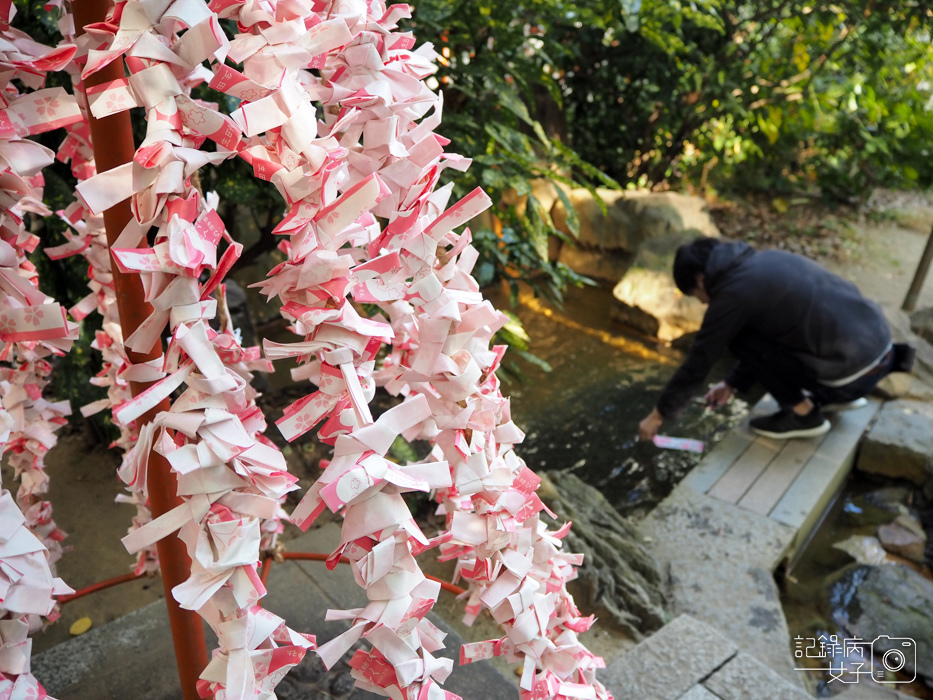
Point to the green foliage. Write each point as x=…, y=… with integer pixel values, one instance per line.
x=733, y=94
x=767, y=95
x=513, y=334
x=502, y=108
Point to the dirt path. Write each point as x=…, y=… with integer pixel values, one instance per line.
x=886, y=247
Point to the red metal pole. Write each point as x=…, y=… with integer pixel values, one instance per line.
x=113, y=146
x=100, y=586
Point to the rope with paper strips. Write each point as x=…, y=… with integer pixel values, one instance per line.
x=87, y=237
x=33, y=328
x=230, y=478
x=372, y=157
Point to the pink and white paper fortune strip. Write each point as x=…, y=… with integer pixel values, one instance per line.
x=87, y=237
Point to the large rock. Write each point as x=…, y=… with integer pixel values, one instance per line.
x=619, y=580
x=899, y=443
x=891, y=601
x=607, y=242
x=633, y=217
x=900, y=385
x=902, y=333
x=646, y=297
x=601, y=265
x=905, y=536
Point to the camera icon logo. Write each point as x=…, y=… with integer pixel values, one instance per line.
x=893, y=655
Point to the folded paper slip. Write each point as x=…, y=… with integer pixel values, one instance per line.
x=675, y=443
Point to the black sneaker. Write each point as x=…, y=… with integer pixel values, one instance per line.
x=786, y=424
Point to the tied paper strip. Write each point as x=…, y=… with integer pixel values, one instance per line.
x=675, y=443
x=87, y=237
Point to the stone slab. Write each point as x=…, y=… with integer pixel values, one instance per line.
x=745, y=678
x=899, y=443
x=670, y=662
x=720, y=559
x=104, y=663
x=695, y=528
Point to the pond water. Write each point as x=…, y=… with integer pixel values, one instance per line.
x=583, y=415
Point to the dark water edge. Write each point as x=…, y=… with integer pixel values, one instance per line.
x=817, y=591
x=583, y=415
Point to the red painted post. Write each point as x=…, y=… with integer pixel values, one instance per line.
x=114, y=146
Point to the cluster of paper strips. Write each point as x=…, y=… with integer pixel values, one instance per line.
x=335, y=112
x=32, y=329
x=230, y=478
x=87, y=237
x=372, y=156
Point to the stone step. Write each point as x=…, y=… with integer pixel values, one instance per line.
x=690, y=660
x=670, y=662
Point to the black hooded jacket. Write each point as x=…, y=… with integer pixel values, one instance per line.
x=820, y=318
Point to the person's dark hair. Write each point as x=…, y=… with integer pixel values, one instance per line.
x=690, y=261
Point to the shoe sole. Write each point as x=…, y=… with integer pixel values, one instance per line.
x=841, y=407
x=790, y=434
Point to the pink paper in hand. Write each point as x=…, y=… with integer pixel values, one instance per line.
x=675, y=443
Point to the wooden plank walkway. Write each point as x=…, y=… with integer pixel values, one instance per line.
x=790, y=481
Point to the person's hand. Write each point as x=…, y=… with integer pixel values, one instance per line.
x=718, y=395
x=648, y=428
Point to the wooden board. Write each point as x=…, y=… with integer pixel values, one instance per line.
x=702, y=477
x=715, y=464
x=733, y=484
x=768, y=489
x=817, y=482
